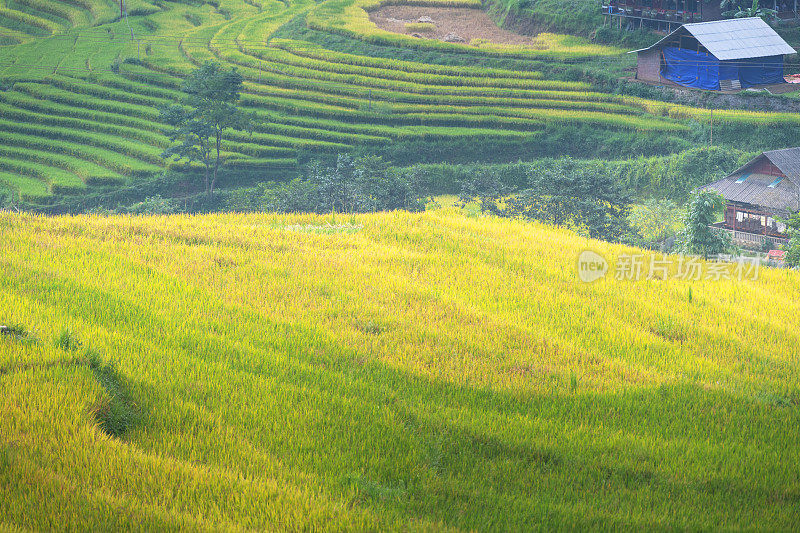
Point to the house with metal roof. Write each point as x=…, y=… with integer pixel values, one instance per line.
x=759, y=195
x=719, y=55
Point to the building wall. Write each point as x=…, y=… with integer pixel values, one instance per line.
x=649, y=65
x=741, y=217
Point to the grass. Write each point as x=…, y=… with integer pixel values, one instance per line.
x=79, y=87
x=420, y=26
x=387, y=371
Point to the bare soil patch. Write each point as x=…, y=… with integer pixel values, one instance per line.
x=466, y=23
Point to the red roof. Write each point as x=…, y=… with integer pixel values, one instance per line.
x=777, y=254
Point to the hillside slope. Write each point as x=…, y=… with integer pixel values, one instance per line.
x=396, y=371
x=79, y=94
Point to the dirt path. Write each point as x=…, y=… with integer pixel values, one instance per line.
x=465, y=23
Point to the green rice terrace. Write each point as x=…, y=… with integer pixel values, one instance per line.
x=81, y=89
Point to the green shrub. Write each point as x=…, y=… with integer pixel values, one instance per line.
x=423, y=27
x=154, y=205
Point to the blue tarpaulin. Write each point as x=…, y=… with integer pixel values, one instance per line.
x=761, y=70
x=690, y=68
x=703, y=70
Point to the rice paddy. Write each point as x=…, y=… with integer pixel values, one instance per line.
x=389, y=371
x=81, y=89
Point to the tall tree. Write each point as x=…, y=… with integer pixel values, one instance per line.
x=736, y=9
x=793, y=254
x=698, y=237
x=567, y=193
x=209, y=109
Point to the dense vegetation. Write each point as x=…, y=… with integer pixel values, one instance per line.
x=80, y=99
x=388, y=371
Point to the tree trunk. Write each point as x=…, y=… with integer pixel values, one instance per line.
x=216, y=162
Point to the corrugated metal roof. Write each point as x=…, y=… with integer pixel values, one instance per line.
x=756, y=189
x=734, y=38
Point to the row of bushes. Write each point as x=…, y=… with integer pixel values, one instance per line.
x=363, y=184
x=672, y=176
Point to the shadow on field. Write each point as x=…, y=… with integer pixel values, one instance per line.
x=678, y=455
x=117, y=413
x=409, y=447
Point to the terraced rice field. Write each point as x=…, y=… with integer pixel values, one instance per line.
x=391, y=371
x=80, y=98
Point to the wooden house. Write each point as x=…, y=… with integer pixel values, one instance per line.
x=759, y=195
x=664, y=15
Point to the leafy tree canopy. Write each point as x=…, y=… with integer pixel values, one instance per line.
x=698, y=237
x=209, y=109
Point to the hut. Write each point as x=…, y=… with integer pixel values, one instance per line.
x=760, y=195
x=720, y=55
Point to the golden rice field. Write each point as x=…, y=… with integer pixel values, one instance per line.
x=396, y=371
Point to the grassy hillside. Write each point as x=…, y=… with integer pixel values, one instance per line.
x=389, y=371
x=79, y=96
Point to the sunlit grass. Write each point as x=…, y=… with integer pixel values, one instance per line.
x=387, y=371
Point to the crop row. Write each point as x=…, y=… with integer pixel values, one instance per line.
x=294, y=137
x=734, y=116
x=628, y=103
x=315, y=51
x=255, y=70
x=387, y=77
x=123, y=148
x=270, y=70
x=114, y=165
x=42, y=24
x=91, y=125
x=27, y=188
x=102, y=11
x=270, y=163
x=314, y=91
x=73, y=15
x=32, y=107
x=307, y=131
x=51, y=170
x=296, y=106
x=415, y=79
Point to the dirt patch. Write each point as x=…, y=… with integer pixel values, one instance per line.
x=448, y=23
